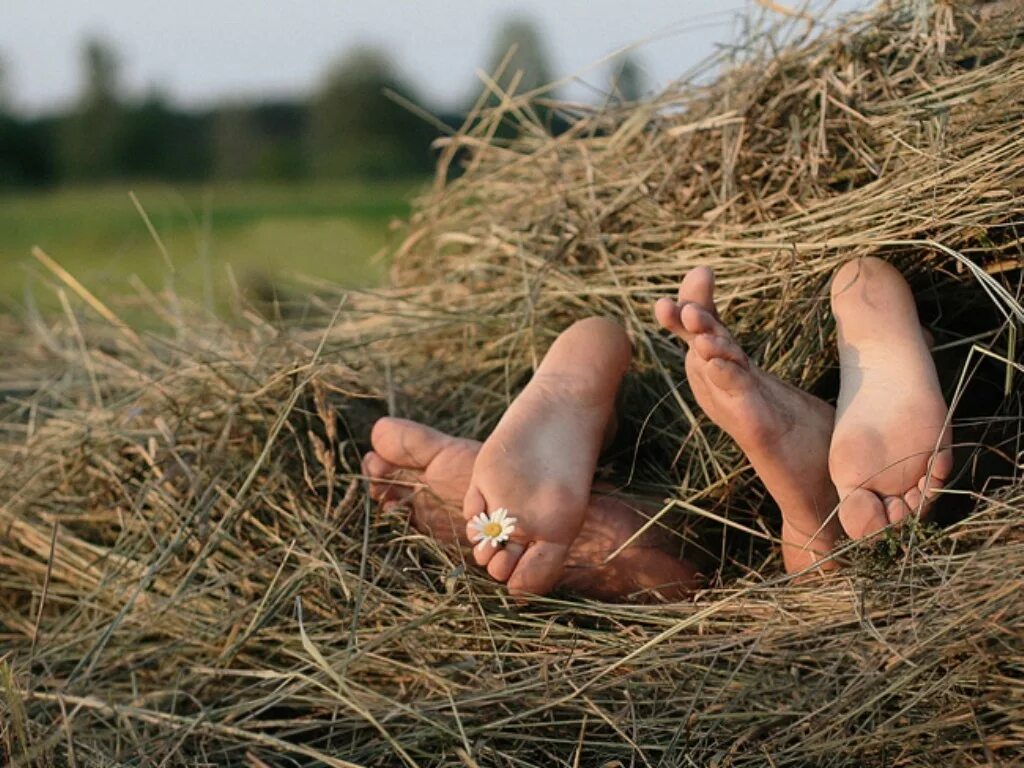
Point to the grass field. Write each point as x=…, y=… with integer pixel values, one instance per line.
x=217, y=237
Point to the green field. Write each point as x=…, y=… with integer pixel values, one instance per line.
x=218, y=239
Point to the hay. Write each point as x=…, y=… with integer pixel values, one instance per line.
x=190, y=569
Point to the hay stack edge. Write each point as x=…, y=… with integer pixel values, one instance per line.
x=191, y=571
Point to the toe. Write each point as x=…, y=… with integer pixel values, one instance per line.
x=861, y=513
x=727, y=375
x=504, y=561
x=374, y=465
x=896, y=509
x=939, y=470
x=539, y=569
x=920, y=498
x=380, y=472
x=710, y=346
x=406, y=443
x=699, y=286
x=698, y=320
x=913, y=499
x=695, y=310
x=473, y=504
x=929, y=485
x=666, y=313
x=483, y=553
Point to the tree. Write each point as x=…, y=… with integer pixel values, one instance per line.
x=236, y=144
x=10, y=136
x=264, y=140
x=5, y=93
x=357, y=130
x=519, y=44
x=89, y=136
x=154, y=140
x=26, y=151
x=101, y=74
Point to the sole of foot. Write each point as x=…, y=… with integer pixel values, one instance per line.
x=783, y=431
x=428, y=473
x=891, y=443
x=539, y=462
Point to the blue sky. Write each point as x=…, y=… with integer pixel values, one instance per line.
x=199, y=52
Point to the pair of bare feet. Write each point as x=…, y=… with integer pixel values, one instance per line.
x=875, y=459
x=872, y=461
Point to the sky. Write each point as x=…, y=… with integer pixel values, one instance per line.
x=198, y=52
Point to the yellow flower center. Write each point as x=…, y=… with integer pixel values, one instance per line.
x=492, y=530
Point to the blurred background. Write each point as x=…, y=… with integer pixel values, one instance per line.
x=265, y=139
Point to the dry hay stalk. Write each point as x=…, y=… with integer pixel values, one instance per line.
x=190, y=569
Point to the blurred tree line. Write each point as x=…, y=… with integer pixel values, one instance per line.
x=352, y=126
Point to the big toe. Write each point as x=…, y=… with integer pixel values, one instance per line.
x=698, y=286
x=407, y=444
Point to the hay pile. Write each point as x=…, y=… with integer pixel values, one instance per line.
x=190, y=569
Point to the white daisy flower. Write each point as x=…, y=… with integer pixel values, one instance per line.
x=495, y=528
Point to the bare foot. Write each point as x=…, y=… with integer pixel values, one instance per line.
x=783, y=431
x=430, y=472
x=890, y=448
x=540, y=460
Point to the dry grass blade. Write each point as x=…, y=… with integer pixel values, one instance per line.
x=167, y=501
